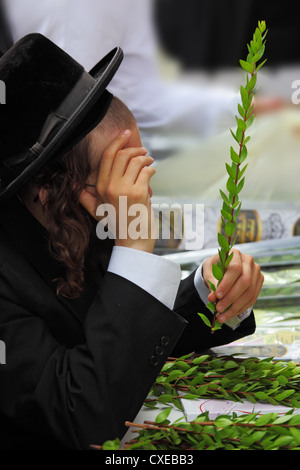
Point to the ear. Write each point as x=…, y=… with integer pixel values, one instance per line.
x=43, y=196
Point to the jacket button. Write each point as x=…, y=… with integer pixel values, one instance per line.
x=153, y=361
x=159, y=351
x=164, y=341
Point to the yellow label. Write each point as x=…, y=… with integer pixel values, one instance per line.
x=248, y=227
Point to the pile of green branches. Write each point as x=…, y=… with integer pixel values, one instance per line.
x=275, y=382
x=266, y=432
x=252, y=379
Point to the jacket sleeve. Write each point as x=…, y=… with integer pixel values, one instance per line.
x=197, y=336
x=83, y=396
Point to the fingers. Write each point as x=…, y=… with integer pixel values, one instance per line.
x=110, y=153
x=120, y=161
x=144, y=177
x=252, y=301
x=125, y=157
x=233, y=272
x=124, y=171
x=246, y=300
x=241, y=283
x=239, y=287
x=136, y=166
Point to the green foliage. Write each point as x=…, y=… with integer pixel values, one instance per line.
x=236, y=379
x=111, y=445
x=235, y=183
x=249, y=432
x=233, y=379
x=162, y=416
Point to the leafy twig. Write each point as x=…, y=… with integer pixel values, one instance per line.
x=251, y=432
x=226, y=377
x=236, y=179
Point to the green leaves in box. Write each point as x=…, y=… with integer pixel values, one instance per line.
x=163, y=415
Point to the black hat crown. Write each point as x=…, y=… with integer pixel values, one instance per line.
x=51, y=104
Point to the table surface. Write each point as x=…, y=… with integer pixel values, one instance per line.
x=149, y=414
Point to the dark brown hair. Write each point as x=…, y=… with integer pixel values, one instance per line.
x=70, y=227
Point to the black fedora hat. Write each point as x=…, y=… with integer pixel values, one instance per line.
x=51, y=104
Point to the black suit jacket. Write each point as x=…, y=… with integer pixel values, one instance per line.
x=77, y=369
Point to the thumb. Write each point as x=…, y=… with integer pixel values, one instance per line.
x=212, y=297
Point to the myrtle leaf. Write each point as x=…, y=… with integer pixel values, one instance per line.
x=223, y=242
x=211, y=306
x=217, y=326
x=246, y=66
x=162, y=416
x=212, y=286
x=205, y=319
x=217, y=272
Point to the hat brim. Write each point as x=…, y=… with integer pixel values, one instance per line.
x=82, y=121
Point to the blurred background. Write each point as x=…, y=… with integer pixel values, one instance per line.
x=223, y=28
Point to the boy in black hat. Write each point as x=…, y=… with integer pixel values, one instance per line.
x=87, y=325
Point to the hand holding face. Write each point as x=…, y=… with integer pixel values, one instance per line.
x=239, y=287
x=124, y=171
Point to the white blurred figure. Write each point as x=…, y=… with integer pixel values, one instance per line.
x=88, y=29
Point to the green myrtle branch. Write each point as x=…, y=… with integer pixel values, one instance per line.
x=236, y=179
x=225, y=377
x=251, y=432
x=231, y=379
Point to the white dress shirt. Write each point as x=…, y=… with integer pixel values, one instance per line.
x=158, y=276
